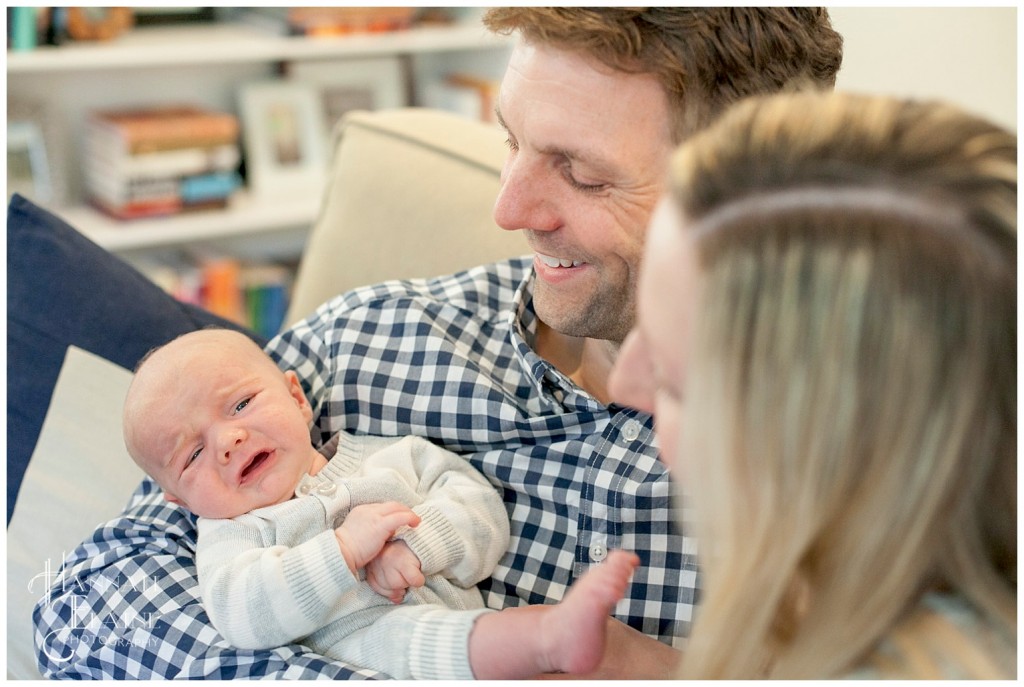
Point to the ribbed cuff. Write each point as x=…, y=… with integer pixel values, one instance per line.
x=439, y=648
x=434, y=541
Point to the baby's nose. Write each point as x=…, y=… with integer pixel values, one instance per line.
x=232, y=441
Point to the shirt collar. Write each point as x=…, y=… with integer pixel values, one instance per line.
x=551, y=385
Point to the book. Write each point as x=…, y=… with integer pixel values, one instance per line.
x=104, y=160
x=334, y=21
x=221, y=294
x=138, y=209
x=266, y=297
x=162, y=128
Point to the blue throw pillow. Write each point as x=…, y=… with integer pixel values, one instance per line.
x=63, y=289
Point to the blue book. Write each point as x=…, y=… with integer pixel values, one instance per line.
x=206, y=187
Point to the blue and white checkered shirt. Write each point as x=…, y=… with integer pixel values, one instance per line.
x=448, y=359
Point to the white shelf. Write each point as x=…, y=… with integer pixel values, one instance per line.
x=247, y=215
x=241, y=43
x=208, y=59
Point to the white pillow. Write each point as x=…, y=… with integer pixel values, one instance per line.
x=79, y=476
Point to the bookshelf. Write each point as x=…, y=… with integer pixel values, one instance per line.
x=229, y=42
x=205, y=63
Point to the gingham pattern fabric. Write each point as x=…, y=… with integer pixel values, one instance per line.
x=448, y=359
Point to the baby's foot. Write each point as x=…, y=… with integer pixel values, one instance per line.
x=576, y=627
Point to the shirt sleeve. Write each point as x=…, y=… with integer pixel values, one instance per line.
x=125, y=605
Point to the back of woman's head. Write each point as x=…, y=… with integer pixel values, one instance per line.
x=856, y=355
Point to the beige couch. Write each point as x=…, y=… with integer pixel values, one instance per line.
x=409, y=195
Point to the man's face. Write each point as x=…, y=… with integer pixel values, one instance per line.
x=588, y=151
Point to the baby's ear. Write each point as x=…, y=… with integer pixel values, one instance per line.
x=295, y=389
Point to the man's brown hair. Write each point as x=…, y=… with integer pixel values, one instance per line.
x=704, y=57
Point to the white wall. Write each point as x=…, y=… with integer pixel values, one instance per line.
x=967, y=55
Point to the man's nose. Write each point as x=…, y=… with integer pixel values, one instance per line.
x=526, y=198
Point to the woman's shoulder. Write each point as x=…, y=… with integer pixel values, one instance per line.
x=945, y=638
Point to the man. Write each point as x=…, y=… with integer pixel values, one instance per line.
x=507, y=363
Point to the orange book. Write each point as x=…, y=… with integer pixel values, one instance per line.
x=222, y=291
x=164, y=128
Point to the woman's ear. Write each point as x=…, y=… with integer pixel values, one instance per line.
x=295, y=389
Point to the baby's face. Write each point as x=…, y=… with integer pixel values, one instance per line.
x=218, y=425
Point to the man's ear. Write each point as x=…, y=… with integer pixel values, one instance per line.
x=295, y=389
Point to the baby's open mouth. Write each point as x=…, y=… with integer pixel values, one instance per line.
x=258, y=460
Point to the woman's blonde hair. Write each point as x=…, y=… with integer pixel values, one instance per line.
x=854, y=381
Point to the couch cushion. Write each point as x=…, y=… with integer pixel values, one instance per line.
x=80, y=476
x=410, y=194
x=63, y=289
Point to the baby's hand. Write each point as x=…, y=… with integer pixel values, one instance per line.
x=394, y=571
x=367, y=529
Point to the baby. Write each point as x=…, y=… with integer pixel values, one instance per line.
x=368, y=554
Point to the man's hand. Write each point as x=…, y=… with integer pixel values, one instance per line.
x=367, y=529
x=394, y=571
x=629, y=655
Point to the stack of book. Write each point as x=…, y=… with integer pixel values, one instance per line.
x=160, y=161
x=253, y=295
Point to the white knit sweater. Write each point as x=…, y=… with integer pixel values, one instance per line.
x=276, y=575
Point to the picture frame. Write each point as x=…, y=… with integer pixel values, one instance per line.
x=375, y=83
x=283, y=137
x=28, y=170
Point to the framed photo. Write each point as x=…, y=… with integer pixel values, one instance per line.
x=283, y=136
x=359, y=84
x=28, y=171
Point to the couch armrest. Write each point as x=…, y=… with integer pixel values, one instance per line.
x=409, y=194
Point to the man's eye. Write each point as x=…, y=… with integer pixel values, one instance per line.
x=585, y=188
x=577, y=184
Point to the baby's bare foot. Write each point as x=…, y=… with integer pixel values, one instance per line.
x=575, y=629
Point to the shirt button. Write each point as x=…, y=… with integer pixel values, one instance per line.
x=631, y=430
x=598, y=552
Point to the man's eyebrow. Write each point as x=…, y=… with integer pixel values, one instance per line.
x=598, y=164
